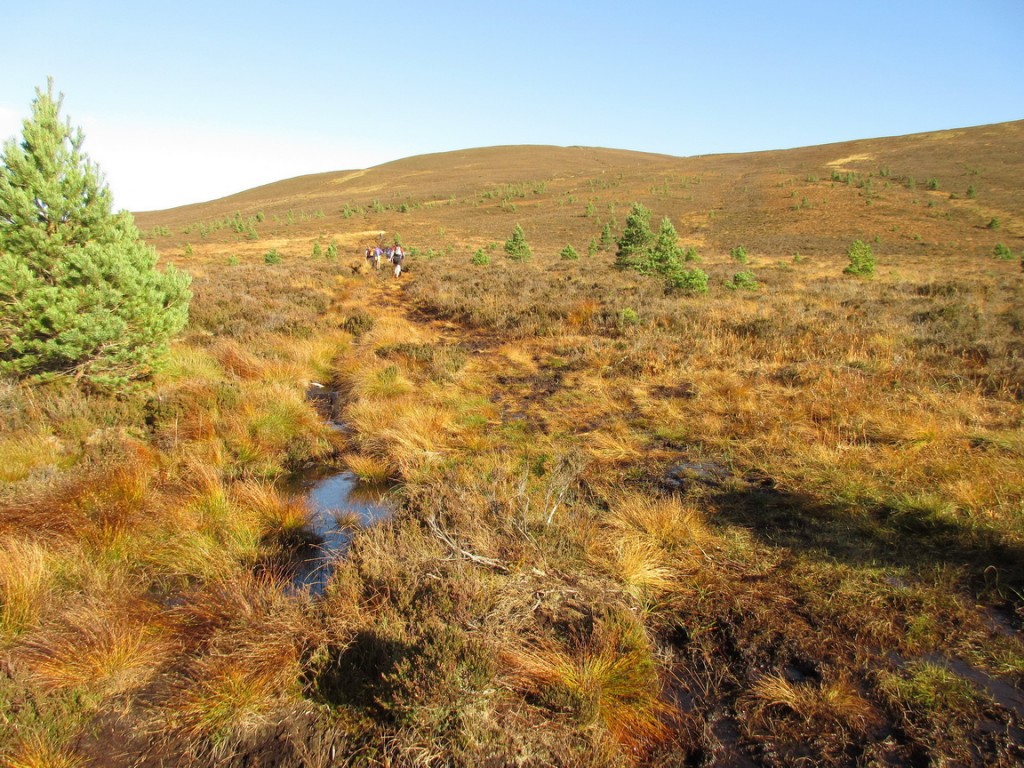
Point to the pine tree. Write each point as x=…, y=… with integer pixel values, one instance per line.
x=636, y=237
x=79, y=291
x=665, y=255
x=862, y=259
x=516, y=246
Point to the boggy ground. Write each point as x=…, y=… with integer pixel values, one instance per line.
x=774, y=527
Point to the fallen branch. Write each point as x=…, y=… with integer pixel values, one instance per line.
x=471, y=556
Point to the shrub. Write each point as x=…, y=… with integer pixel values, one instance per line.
x=1002, y=253
x=79, y=290
x=993, y=223
x=516, y=246
x=933, y=183
x=739, y=253
x=569, y=253
x=332, y=250
x=628, y=316
x=743, y=281
x=480, y=258
x=317, y=251
x=688, y=280
x=862, y=259
x=272, y=257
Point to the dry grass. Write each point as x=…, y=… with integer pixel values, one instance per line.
x=839, y=701
x=107, y=649
x=27, y=582
x=38, y=751
x=607, y=680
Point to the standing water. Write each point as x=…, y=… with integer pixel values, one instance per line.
x=338, y=504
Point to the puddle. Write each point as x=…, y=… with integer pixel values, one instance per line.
x=338, y=504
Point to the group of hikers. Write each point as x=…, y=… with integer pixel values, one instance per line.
x=375, y=254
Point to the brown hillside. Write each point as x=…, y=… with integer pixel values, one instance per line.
x=934, y=192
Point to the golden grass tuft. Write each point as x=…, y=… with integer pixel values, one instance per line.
x=252, y=638
x=609, y=680
x=389, y=330
x=106, y=649
x=225, y=700
x=408, y=435
x=369, y=469
x=283, y=517
x=667, y=521
x=25, y=451
x=236, y=360
x=642, y=566
x=838, y=701
x=27, y=570
x=37, y=750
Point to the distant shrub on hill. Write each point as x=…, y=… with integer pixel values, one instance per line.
x=1002, y=252
x=744, y=281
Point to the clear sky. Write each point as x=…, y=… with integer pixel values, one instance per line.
x=188, y=101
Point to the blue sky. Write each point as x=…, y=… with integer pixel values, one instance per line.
x=185, y=102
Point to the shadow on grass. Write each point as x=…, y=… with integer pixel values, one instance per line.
x=358, y=675
x=909, y=536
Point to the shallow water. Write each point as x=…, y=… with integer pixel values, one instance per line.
x=338, y=503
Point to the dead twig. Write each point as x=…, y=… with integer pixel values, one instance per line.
x=441, y=534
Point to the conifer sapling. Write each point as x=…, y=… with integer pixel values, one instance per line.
x=80, y=294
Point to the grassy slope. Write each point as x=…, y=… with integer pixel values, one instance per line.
x=765, y=526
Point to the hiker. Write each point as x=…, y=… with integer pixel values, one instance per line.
x=377, y=253
x=396, y=258
x=369, y=255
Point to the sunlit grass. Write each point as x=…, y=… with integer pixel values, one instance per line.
x=26, y=451
x=27, y=576
x=838, y=700
x=106, y=649
x=38, y=750
x=609, y=680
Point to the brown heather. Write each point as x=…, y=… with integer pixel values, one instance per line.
x=778, y=527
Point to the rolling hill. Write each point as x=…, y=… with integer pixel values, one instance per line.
x=933, y=191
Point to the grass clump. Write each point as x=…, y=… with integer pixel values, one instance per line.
x=605, y=679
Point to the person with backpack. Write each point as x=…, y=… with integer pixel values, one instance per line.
x=397, y=255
